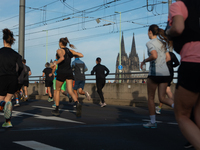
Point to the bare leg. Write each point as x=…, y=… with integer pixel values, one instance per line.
x=49, y=91
x=169, y=93
x=162, y=94
x=57, y=94
x=75, y=92
x=151, y=89
x=26, y=90
x=70, y=90
x=184, y=102
x=81, y=91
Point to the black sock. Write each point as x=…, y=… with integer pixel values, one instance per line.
x=57, y=107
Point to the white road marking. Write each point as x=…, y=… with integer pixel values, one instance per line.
x=54, y=108
x=149, y=120
x=173, y=123
x=17, y=113
x=36, y=145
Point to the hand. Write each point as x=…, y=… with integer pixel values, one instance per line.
x=50, y=74
x=142, y=63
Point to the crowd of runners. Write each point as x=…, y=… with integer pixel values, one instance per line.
x=182, y=32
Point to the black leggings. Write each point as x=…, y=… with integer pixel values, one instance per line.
x=100, y=84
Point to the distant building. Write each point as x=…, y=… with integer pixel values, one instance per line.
x=130, y=64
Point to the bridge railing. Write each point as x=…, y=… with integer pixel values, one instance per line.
x=136, y=75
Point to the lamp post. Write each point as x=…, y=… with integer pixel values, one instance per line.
x=46, y=44
x=119, y=44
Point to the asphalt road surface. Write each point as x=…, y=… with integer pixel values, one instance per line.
x=108, y=128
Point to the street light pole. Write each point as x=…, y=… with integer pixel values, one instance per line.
x=46, y=45
x=119, y=45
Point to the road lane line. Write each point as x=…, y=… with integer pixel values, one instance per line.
x=54, y=108
x=46, y=117
x=36, y=145
x=149, y=120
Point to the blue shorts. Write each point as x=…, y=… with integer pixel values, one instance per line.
x=79, y=84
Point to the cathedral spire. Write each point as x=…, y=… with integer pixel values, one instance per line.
x=133, y=48
x=122, y=46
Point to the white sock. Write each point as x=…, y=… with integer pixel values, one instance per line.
x=173, y=105
x=153, y=118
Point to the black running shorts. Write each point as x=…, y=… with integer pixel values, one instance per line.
x=62, y=77
x=8, y=85
x=26, y=83
x=160, y=79
x=48, y=83
x=189, y=76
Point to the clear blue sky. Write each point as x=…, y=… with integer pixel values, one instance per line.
x=91, y=39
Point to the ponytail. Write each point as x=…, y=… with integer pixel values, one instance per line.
x=163, y=38
x=8, y=36
x=161, y=34
x=65, y=41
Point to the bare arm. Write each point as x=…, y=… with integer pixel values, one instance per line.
x=61, y=54
x=168, y=58
x=29, y=73
x=153, y=56
x=76, y=53
x=177, y=26
x=43, y=74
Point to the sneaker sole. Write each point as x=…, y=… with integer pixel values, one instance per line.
x=56, y=114
x=8, y=110
x=78, y=112
x=7, y=126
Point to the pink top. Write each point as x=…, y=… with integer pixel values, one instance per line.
x=190, y=51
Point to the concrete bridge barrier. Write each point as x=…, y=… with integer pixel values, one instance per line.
x=126, y=94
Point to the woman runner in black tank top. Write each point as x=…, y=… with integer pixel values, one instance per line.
x=64, y=73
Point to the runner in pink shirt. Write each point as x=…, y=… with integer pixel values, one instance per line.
x=185, y=32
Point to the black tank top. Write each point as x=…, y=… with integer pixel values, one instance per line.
x=65, y=65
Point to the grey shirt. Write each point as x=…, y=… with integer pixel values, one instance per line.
x=158, y=67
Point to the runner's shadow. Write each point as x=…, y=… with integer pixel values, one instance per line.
x=95, y=96
x=137, y=100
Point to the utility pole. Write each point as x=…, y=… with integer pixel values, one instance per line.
x=21, y=28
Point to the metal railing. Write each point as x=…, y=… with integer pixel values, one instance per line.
x=143, y=75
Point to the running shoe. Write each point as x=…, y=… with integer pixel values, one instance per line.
x=55, y=112
x=158, y=110
x=150, y=125
x=78, y=110
x=17, y=104
x=87, y=95
x=7, y=125
x=70, y=98
x=103, y=104
x=54, y=105
x=188, y=145
x=50, y=99
x=8, y=110
x=75, y=104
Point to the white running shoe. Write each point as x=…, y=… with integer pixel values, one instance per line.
x=103, y=104
x=87, y=95
x=150, y=125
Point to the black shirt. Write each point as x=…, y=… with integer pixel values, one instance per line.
x=47, y=71
x=65, y=66
x=10, y=62
x=27, y=74
x=99, y=70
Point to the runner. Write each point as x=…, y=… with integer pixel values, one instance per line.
x=99, y=71
x=9, y=61
x=170, y=64
x=79, y=68
x=63, y=87
x=159, y=75
x=184, y=31
x=20, y=84
x=64, y=73
x=26, y=79
x=48, y=80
